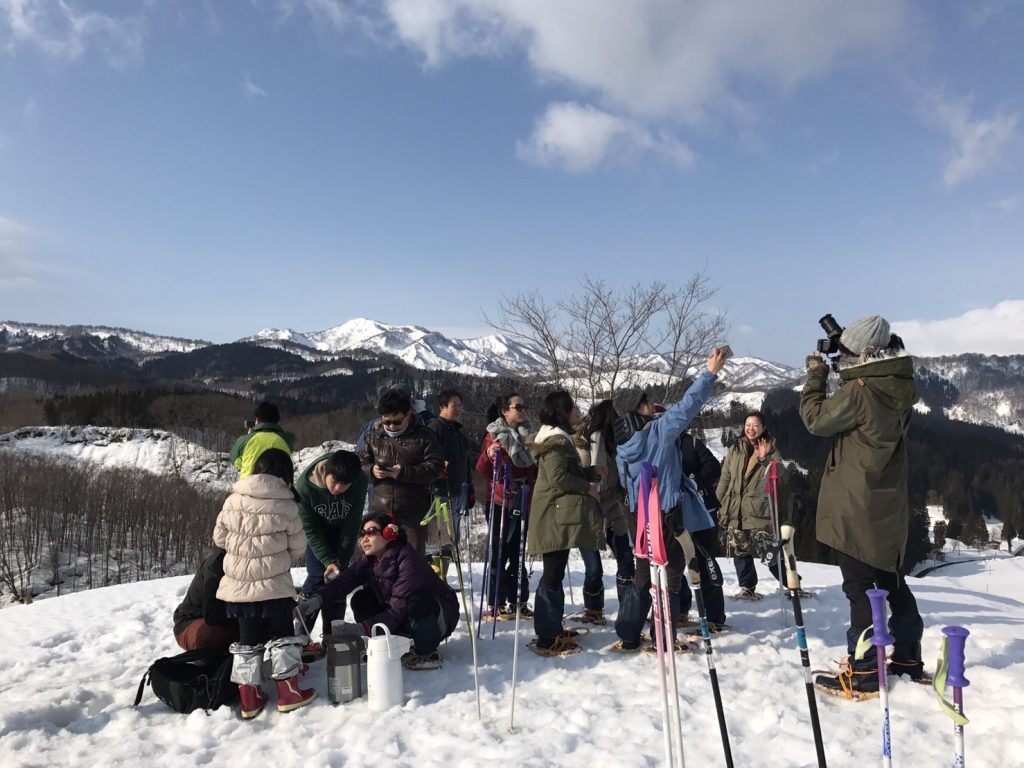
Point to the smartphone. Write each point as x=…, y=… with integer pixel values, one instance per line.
x=382, y=465
x=727, y=350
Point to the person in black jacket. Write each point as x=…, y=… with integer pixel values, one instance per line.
x=454, y=484
x=700, y=464
x=201, y=621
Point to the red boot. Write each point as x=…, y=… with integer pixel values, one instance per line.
x=290, y=696
x=252, y=700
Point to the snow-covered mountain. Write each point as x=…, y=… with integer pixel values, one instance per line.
x=426, y=349
x=982, y=389
x=124, y=341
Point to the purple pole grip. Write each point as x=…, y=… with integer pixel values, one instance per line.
x=957, y=639
x=880, y=636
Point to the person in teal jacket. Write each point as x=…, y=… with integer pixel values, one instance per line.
x=265, y=433
x=332, y=494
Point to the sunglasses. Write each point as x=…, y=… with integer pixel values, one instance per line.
x=369, y=533
x=518, y=407
x=392, y=422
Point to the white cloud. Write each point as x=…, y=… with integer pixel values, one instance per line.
x=997, y=330
x=977, y=143
x=250, y=89
x=661, y=59
x=579, y=137
x=660, y=62
x=1008, y=204
x=61, y=31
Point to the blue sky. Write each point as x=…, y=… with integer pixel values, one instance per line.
x=210, y=169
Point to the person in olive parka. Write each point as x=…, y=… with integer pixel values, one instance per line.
x=564, y=515
x=864, y=502
x=332, y=491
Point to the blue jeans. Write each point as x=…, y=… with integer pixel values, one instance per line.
x=593, y=580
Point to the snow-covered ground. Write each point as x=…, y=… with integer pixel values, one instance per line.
x=72, y=664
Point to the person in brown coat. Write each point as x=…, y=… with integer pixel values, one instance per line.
x=403, y=459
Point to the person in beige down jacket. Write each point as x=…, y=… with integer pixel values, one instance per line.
x=260, y=529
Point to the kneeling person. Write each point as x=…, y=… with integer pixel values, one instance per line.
x=201, y=621
x=400, y=590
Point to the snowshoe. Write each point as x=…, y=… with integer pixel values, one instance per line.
x=508, y=612
x=694, y=633
x=848, y=683
x=685, y=622
x=617, y=646
x=803, y=594
x=417, y=663
x=681, y=646
x=589, y=616
x=560, y=646
x=747, y=593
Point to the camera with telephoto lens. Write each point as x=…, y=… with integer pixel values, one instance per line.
x=833, y=330
x=830, y=347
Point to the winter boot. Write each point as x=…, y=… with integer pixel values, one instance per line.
x=290, y=696
x=911, y=669
x=247, y=671
x=252, y=700
x=286, y=658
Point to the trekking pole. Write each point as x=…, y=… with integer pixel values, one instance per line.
x=693, y=571
x=773, y=506
x=651, y=546
x=464, y=535
x=880, y=638
x=524, y=518
x=572, y=598
x=500, y=562
x=793, y=582
x=487, y=577
x=467, y=607
x=951, y=670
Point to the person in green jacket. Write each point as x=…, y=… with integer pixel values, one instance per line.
x=332, y=494
x=864, y=502
x=265, y=433
x=564, y=515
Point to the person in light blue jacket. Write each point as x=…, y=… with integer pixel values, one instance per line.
x=641, y=440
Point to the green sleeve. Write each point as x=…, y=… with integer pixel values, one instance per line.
x=316, y=530
x=347, y=536
x=827, y=416
x=236, y=450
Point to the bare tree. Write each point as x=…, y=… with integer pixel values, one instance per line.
x=690, y=331
x=602, y=338
x=536, y=320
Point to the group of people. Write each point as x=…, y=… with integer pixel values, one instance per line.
x=579, y=480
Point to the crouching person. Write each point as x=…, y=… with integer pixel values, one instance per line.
x=259, y=527
x=201, y=621
x=400, y=590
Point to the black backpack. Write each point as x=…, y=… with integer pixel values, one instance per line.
x=192, y=680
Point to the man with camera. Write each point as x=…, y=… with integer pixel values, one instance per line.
x=864, y=506
x=403, y=459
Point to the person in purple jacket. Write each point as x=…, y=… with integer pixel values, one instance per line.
x=400, y=590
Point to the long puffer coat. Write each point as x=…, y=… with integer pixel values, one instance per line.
x=259, y=527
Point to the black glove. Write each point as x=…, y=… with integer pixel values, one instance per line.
x=307, y=609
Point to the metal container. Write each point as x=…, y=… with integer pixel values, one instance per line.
x=344, y=657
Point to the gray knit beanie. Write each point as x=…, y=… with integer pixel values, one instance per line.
x=871, y=331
